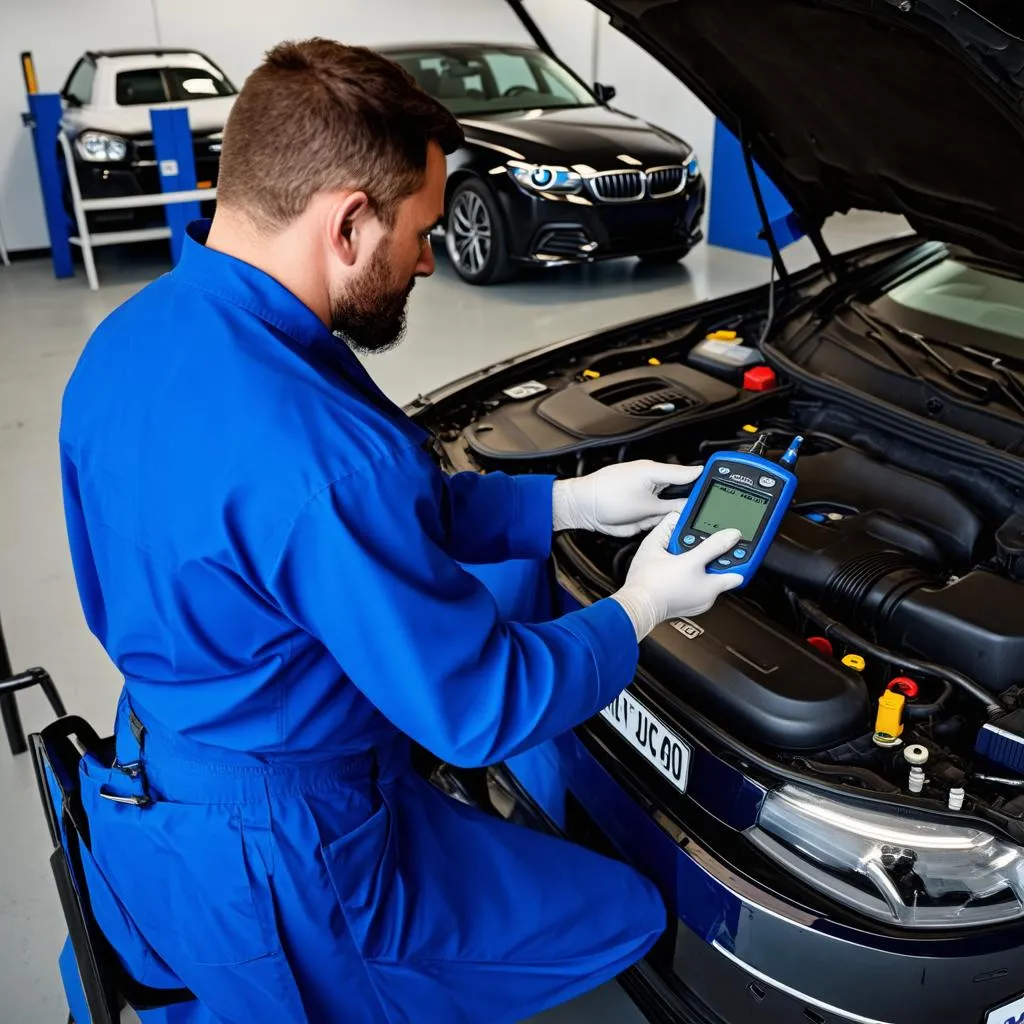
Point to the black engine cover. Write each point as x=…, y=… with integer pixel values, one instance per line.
x=774, y=690
x=616, y=407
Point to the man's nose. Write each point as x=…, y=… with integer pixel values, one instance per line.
x=426, y=265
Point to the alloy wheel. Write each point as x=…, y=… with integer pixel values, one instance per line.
x=469, y=233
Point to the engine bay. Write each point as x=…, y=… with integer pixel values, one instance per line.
x=884, y=631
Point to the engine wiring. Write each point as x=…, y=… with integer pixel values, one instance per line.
x=831, y=627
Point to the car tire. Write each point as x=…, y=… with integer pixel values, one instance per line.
x=475, y=235
x=666, y=258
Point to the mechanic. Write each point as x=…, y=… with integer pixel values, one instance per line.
x=268, y=553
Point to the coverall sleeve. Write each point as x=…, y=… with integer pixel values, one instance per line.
x=495, y=517
x=366, y=569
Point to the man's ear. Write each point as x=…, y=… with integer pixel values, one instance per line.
x=347, y=223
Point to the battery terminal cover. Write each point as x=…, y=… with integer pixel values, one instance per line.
x=759, y=378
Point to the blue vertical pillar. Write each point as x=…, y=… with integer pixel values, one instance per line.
x=734, y=221
x=45, y=112
x=172, y=137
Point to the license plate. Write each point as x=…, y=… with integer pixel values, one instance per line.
x=651, y=737
x=1008, y=1013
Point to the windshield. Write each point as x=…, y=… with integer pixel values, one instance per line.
x=471, y=81
x=163, y=85
x=965, y=295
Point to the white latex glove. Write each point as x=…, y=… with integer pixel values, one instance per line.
x=660, y=586
x=620, y=500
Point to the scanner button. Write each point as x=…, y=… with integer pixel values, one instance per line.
x=740, y=553
x=689, y=539
x=767, y=481
x=725, y=561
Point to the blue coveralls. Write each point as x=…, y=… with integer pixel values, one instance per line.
x=268, y=553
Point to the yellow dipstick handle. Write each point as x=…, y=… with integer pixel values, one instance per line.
x=889, y=719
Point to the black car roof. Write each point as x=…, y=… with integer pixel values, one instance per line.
x=392, y=48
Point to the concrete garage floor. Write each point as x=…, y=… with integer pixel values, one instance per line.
x=43, y=325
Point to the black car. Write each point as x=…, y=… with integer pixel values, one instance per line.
x=825, y=773
x=550, y=174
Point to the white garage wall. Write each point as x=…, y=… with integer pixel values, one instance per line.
x=235, y=33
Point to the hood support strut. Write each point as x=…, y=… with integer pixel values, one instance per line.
x=519, y=8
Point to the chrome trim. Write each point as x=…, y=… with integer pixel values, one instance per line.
x=795, y=993
x=683, y=179
x=645, y=183
x=619, y=173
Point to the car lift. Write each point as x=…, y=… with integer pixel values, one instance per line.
x=172, y=138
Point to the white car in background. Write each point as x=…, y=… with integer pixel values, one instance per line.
x=107, y=100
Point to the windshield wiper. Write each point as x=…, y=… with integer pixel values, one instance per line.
x=978, y=385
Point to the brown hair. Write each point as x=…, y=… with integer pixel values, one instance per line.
x=318, y=115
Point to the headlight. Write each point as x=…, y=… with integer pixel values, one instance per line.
x=902, y=870
x=545, y=178
x=100, y=147
x=693, y=168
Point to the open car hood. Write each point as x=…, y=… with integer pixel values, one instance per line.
x=912, y=107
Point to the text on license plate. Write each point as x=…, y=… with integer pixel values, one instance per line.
x=651, y=737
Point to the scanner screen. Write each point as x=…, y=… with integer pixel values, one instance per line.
x=727, y=507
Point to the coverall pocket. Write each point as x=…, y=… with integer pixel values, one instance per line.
x=185, y=875
x=361, y=866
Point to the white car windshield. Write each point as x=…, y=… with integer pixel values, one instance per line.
x=169, y=85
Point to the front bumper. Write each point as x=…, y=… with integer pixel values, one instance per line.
x=563, y=230
x=117, y=181
x=739, y=952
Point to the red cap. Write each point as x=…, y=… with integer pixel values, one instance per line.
x=821, y=643
x=759, y=378
x=905, y=685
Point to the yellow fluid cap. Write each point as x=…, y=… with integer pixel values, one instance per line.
x=653, y=362
x=591, y=374
x=722, y=336
x=889, y=719
x=854, y=661
x=749, y=428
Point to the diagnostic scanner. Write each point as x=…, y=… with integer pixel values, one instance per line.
x=743, y=491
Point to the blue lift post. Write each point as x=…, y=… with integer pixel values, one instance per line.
x=44, y=117
x=733, y=220
x=172, y=137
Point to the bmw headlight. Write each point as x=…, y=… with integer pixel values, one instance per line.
x=546, y=178
x=693, y=168
x=100, y=147
x=905, y=871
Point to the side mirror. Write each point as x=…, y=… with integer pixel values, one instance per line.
x=604, y=93
x=71, y=101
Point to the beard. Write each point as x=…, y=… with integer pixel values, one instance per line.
x=371, y=316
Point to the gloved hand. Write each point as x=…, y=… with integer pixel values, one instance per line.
x=660, y=586
x=620, y=500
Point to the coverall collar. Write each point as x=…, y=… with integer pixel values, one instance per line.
x=244, y=285
x=251, y=289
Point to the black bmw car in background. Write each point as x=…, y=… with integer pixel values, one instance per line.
x=550, y=174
